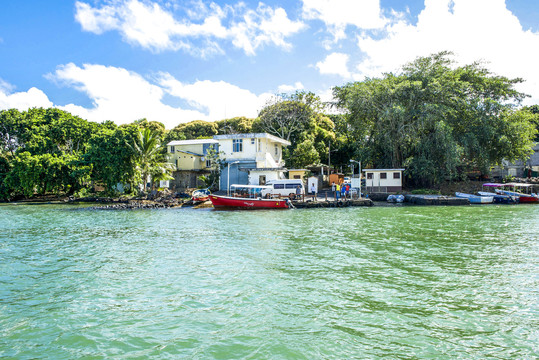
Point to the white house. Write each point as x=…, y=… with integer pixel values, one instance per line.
x=383, y=180
x=254, y=158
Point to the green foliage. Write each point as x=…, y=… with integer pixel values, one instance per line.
x=435, y=119
x=150, y=161
x=296, y=118
x=237, y=125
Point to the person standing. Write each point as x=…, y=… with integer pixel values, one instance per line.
x=337, y=191
x=298, y=192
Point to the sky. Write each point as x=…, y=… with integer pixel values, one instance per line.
x=175, y=61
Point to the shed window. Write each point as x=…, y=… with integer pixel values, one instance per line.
x=396, y=175
x=383, y=175
x=369, y=175
x=237, y=145
x=172, y=149
x=297, y=176
x=208, y=163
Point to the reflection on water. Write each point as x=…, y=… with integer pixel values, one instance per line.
x=397, y=282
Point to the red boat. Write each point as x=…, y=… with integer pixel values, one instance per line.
x=523, y=197
x=200, y=195
x=248, y=197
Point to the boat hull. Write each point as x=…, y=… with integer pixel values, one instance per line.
x=500, y=198
x=523, y=198
x=476, y=199
x=246, y=203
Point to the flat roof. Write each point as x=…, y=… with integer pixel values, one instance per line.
x=252, y=135
x=193, y=142
x=374, y=170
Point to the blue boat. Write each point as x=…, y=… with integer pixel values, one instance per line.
x=476, y=199
x=500, y=198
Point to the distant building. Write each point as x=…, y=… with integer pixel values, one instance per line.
x=520, y=168
x=383, y=180
x=191, y=160
x=254, y=158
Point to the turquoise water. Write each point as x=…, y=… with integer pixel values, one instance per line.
x=368, y=283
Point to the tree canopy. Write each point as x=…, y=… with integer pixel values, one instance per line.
x=436, y=119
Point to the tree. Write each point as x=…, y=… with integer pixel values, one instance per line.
x=149, y=159
x=436, y=119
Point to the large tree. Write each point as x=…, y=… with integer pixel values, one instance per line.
x=436, y=119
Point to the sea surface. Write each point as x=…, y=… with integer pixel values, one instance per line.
x=387, y=282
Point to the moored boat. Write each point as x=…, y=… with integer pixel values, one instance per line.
x=249, y=197
x=476, y=199
x=522, y=197
x=200, y=195
x=500, y=198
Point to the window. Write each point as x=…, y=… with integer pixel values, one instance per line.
x=278, y=186
x=208, y=163
x=291, y=186
x=237, y=145
x=396, y=175
x=369, y=175
x=297, y=176
x=276, y=149
x=252, y=141
x=383, y=175
x=259, y=145
x=172, y=149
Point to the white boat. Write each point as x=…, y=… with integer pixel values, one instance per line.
x=476, y=199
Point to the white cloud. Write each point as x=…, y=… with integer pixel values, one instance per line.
x=217, y=99
x=335, y=64
x=151, y=27
x=22, y=100
x=124, y=96
x=285, y=89
x=338, y=14
x=474, y=30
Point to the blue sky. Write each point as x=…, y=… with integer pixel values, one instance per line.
x=175, y=61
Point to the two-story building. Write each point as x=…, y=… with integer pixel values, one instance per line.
x=254, y=158
x=191, y=160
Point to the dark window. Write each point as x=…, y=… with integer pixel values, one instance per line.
x=297, y=176
x=278, y=186
x=252, y=141
x=369, y=175
x=396, y=175
x=291, y=186
x=383, y=175
x=208, y=163
x=237, y=145
x=172, y=149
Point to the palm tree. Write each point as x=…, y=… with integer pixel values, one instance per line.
x=150, y=160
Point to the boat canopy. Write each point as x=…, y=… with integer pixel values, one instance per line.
x=249, y=191
x=494, y=185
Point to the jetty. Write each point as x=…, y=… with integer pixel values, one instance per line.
x=435, y=200
x=310, y=204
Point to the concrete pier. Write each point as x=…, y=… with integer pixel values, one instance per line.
x=435, y=200
x=333, y=204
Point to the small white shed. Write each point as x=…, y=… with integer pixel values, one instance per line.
x=383, y=180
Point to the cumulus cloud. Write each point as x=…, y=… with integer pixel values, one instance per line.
x=152, y=27
x=478, y=30
x=338, y=14
x=124, y=96
x=21, y=100
x=217, y=99
x=335, y=64
x=284, y=89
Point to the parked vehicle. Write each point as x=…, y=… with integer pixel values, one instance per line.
x=286, y=187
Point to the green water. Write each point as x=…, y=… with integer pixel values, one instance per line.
x=366, y=283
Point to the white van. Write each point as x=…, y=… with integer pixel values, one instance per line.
x=286, y=187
